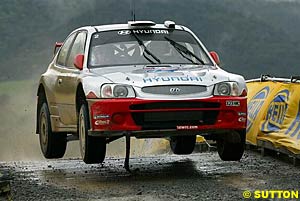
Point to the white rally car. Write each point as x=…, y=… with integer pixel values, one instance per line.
x=138, y=79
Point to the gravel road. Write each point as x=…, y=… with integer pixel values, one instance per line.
x=200, y=176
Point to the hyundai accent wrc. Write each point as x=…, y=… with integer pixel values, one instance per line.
x=143, y=80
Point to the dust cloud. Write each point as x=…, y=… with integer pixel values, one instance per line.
x=18, y=140
x=17, y=137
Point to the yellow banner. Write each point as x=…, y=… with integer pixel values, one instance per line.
x=258, y=101
x=274, y=114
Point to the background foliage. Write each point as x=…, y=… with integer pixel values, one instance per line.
x=252, y=37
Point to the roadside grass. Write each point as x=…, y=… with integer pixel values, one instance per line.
x=15, y=87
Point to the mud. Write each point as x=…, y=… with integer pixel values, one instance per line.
x=200, y=176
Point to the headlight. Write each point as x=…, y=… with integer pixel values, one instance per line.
x=224, y=89
x=120, y=91
x=117, y=91
x=227, y=89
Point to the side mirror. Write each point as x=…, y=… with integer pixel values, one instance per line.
x=57, y=46
x=215, y=57
x=78, y=61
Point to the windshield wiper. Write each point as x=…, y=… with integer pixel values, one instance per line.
x=141, y=43
x=183, y=51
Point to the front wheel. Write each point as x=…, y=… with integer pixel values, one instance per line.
x=53, y=145
x=183, y=144
x=231, y=147
x=92, y=149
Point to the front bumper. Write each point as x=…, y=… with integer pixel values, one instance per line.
x=163, y=118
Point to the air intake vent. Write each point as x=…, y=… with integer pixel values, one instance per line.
x=174, y=89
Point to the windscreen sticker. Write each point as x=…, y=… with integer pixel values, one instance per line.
x=172, y=79
x=142, y=31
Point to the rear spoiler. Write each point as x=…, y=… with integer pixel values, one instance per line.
x=57, y=46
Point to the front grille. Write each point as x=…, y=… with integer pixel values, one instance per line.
x=169, y=90
x=172, y=119
x=174, y=105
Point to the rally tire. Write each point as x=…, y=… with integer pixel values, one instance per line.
x=53, y=145
x=232, y=151
x=182, y=145
x=92, y=149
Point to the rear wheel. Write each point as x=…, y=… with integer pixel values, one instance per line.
x=93, y=149
x=231, y=147
x=183, y=144
x=53, y=145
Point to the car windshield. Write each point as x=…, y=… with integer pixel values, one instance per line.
x=145, y=46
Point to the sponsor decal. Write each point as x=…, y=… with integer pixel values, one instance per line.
x=172, y=79
x=102, y=122
x=255, y=105
x=276, y=112
x=242, y=119
x=101, y=116
x=143, y=31
x=231, y=103
x=160, y=69
x=187, y=127
x=294, y=128
x=242, y=113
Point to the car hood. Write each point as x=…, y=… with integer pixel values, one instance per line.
x=164, y=75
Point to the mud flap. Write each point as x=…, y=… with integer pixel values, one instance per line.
x=126, y=163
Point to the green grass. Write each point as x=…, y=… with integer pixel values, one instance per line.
x=17, y=87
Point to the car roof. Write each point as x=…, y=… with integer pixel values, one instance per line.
x=109, y=27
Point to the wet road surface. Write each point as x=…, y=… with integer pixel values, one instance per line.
x=200, y=176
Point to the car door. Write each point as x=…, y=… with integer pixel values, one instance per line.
x=68, y=81
x=54, y=79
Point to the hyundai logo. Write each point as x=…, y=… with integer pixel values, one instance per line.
x=175, y=91
x=124, y=32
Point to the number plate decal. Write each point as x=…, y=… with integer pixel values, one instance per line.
x=231, y=103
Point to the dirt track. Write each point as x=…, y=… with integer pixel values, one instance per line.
x=200, y=176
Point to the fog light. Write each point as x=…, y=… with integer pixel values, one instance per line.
x=118, y=119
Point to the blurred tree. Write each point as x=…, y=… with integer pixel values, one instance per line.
x=251, y=36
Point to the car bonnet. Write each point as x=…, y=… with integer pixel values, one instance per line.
x=163, y=75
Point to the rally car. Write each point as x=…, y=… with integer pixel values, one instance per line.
x=143, y=80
